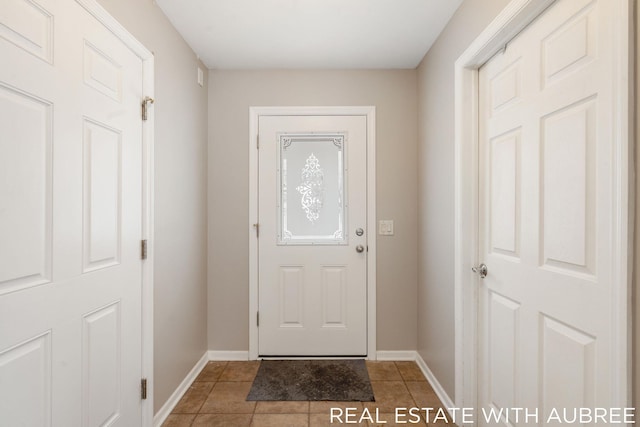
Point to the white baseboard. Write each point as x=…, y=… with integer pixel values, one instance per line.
x=396, y=355
x=228, y=355
x=435, y=385
x=173, y=400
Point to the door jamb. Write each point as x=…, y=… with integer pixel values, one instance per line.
x=101, y=14
x=513, y=19
x=254, y=114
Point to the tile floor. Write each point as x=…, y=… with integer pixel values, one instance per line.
x=217, y=399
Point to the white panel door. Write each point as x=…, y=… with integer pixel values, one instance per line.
x=70, y=219
x=312, y=291
x=546, y=205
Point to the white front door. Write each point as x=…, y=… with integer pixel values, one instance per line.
x=70, y=219
x=547, y=149
x=313, y=235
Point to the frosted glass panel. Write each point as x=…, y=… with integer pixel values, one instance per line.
x=311, y=176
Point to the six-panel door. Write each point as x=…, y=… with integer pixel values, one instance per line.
x=70, y=219
x=546, y=205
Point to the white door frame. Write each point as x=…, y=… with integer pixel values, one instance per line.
x=95, y=9
x=513, y=19
x=254, y=115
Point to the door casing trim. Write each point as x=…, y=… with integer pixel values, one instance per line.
x=514, y=18
x=254, y=114
x=101, y=14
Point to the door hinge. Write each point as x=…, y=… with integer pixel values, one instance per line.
x=143, y=249
x=258, y=318
x=145, y=102
x=258, y=142
x=257, y=227
x=143, y=389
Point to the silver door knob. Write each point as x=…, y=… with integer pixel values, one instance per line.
x=359, y=248
x=481, y=270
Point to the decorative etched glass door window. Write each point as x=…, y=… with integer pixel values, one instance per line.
x=311, y=179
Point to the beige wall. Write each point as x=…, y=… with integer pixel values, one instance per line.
x=231, y=93
x=180, y=292
x=436, y=186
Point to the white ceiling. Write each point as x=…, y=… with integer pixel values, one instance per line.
x=325, y=34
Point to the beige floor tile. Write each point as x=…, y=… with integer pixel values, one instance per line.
x=324, y=407
x=437, y=420
x=222, y=420
x=389, y=396
x=228, y=398
x=240, y=371
x=423, y=394
x=343, y=413
x=280, y=420
x=383, y=371
x=410, y=371
x=323, y=420
x=211, y=372
x=178, y=420
x=398, y=420
x=442, y=423
x=282, y=408
x=193, y=398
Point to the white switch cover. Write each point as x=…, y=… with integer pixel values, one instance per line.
x=385, y=227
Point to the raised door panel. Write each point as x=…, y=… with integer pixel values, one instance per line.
x=505, y=194
x=25, y=190
x=25, y=377
x=334, y=296
x=291, y=296
x=506, y=87
x=568, y=193
x=567, y=356
x=504, y=326
x=102, y=72
x=29, y=26
x=102, y=195
x=571, y=46
x=101, y=366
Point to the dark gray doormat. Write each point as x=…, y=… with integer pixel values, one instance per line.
x=295, y=380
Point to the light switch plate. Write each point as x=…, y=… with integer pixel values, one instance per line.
x=385, y=227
